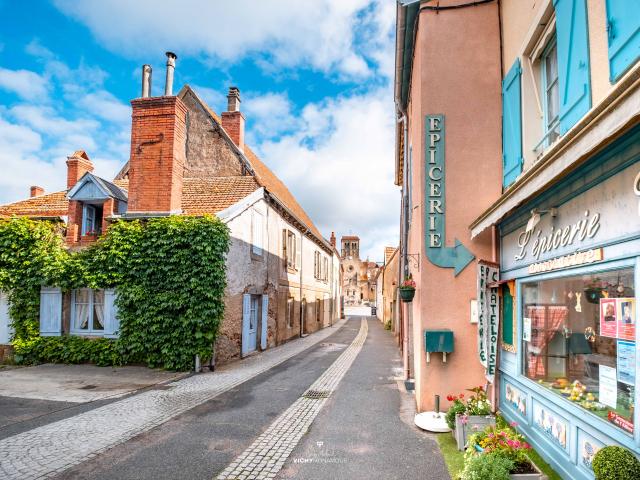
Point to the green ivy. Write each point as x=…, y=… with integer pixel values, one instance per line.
x=169, y=274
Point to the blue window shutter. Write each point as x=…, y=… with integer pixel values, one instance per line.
x=263, y=322
x=246, y=312
x=511, y=125
x=111, y=321
x=573, y=61
x=623, y=29
x=50, y=312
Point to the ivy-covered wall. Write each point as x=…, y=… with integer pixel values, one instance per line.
x=169, y=275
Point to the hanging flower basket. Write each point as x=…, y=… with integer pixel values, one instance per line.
x=407, y=294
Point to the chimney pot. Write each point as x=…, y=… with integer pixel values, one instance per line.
x=36, y=191
x=233, y=100
x=146, y=81
x=171, y=66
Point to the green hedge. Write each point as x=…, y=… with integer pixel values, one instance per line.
x=169, y=275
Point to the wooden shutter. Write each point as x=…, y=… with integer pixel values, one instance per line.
x=246, y=312
x=623, y=29
x=111, y=321
x=50, y=312
x=298, y=249
x=511, y=126
x=284, y=248
x=263, y=322
x=573, y=61
x=6, y=331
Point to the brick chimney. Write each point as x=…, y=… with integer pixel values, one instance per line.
x=77, y=165
x=158, y=154
x=333, y=239
x=36, y=191
x=232, y=119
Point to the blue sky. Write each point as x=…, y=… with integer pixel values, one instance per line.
x=315, y=80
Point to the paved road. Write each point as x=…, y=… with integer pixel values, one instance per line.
x=331, y=411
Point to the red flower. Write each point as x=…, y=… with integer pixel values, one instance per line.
x=449, y=398
x=462, y=395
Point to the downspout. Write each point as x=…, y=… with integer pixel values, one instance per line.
x=403, y=266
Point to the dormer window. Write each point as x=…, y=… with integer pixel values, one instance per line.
x=92, y=219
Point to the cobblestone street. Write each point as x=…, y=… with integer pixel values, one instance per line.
x=270, y=416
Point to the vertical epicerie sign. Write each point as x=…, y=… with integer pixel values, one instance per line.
x=435, y=180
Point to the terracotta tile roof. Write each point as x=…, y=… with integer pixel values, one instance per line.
x=350, y=237
x=47, y=205
x=274, y=185
x=215, y=194
x=199, y=196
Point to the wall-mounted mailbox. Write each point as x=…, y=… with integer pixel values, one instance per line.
x=438, y=341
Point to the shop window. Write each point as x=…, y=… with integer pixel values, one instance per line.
x=87, y=316
x=578, y=337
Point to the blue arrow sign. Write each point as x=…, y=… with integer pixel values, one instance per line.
x=458, y=256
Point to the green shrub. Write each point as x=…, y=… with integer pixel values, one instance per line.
x=169, y=275
x=69, y=349
x=615, y=463
x=486, y=467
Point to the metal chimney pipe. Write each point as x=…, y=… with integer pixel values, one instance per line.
x=146, y=81
x=171, y=66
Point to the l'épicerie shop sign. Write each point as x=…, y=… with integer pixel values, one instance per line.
x=572, y=379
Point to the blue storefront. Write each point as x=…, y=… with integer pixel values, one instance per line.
x=570, y=269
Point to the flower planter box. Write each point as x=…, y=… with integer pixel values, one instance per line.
x=538, y=475
x=463, y=430
x=407, y=294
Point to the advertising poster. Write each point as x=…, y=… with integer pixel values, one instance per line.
x=526, y=329
x=488, y=317
x=608, y=386
x=626, y=318
x=608, y=317
x=626, y=362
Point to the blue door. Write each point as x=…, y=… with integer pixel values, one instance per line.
x=250, y=312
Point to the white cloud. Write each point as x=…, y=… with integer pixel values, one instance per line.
x=339, y=163
x=27, y=84
x=106, y=106
x=320, y=34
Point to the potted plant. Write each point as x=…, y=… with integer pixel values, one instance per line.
x=615, y=463
x=466, y=416
x=504, y=443
x=407, y=289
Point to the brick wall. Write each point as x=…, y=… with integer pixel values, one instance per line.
x=158, y=144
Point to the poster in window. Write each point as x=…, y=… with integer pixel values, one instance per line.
x=626, y=318
x=608, y=317
x=608, y=386
x=626, y=360
x=526, y=329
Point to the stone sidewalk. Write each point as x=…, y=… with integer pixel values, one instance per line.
x=50, y=449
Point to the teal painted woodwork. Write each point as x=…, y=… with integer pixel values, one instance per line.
x=573, y=61
x=623, y=32
x=246, y=313
x=458, y=256
x=511, y=125
x=507, y=316
x=438, y=341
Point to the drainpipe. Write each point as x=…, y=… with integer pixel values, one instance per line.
x=403, y=264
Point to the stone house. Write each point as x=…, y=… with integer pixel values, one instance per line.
x=283, y=277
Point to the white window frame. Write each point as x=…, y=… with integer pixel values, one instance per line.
x=89, y=330
x=549, y=126
x=290, y=249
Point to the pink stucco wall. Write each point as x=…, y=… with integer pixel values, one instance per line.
x=456, y=72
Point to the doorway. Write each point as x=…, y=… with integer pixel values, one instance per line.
x=250, y=316
x=303, y=317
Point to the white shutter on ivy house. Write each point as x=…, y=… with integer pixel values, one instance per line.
x=50, y=312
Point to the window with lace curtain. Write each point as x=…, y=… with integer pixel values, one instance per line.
x=87, y=311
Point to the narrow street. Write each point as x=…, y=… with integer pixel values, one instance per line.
x=269, y=426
